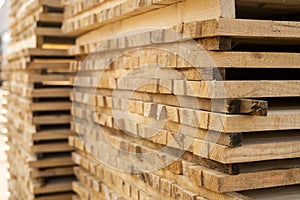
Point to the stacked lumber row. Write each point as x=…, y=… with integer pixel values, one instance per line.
x=38, y=102
x=225, y=128
x=3, y=102
x=81, y=16
x=3, y=140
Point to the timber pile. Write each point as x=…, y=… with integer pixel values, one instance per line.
x=237, y=120
x=38, y=102
x=3, y=102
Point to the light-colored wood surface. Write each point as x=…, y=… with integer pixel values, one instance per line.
x=3, y=168
x=152, y=108
x=243, y=28
x=210, y=167
x=181, y=11
x=4, y=165
x=38, y=107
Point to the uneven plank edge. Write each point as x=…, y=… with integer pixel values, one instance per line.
x=46, y=31
x=52, y=162
x=53, y=188
x=243, y=28
x=55, y=147
x=79, y=159
x=215, y=89
x=227, y=183
x=289, y=148
x=240, y=89
x=51, y=17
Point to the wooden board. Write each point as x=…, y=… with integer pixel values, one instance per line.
x=55, y=162
x=243, y=28
x=53, y=188
x=64, y=171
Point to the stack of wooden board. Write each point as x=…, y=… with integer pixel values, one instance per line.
x=233, y=109
x=3, y=105
x=4, y=147
x=38, y=68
